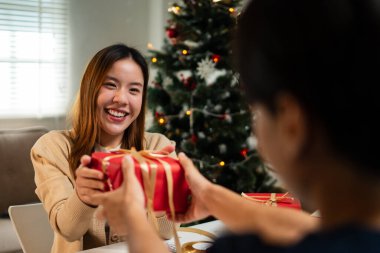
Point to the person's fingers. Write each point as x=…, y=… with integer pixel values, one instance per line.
x=84, y=191
x=168, y=149
x=85, y=160
x=89, y=173
x=90, y=183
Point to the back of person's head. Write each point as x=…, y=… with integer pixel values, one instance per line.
x=326, y=54
x=84, y=118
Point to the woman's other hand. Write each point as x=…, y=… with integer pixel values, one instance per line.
x=88, y=181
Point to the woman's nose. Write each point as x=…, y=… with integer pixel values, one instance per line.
x=121, y=97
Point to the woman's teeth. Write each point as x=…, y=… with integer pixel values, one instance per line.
x=116, y=113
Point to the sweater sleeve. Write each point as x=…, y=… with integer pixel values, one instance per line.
x=155, y=141
x=68, y=215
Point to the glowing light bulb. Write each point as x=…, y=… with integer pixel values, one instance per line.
x=222, y=163
x=185, y=52
x=174, y=9
x=154, y=59
x=161, y=121
x=188, y=112
x=231, y=10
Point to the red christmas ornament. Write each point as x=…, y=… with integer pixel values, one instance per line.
x=189, y=83
x=215, y=58
x=244, y=152
x=172, y=32
x=194, y=138
x=158, y=115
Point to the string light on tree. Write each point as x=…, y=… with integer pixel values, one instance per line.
x=161, y=120
x=185, y=52
x=222, y=163
x=215, y=58
x=231, y=10
x=188, y=112
x=154, y=59
x=175, y=9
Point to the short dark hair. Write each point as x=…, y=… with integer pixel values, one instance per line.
x=326, y=54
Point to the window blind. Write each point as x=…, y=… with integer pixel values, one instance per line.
x=33, y=58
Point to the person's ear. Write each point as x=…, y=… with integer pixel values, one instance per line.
x=292, y=125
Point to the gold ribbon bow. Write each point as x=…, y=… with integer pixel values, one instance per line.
x=146, y=160
x=272, y=201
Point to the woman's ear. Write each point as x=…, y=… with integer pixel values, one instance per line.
x=292, y=125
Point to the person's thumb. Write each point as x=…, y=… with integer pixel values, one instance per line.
x=85, y=160
x=186, y=163
x=128, y=169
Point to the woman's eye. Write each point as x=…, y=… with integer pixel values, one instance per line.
x=134, y=90
x=110, y=85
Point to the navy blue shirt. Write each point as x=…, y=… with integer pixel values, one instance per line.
x=348, y=239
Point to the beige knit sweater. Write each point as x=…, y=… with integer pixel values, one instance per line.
x=75, y=224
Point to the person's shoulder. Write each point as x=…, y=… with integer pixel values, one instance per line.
x=54, y=138
x=155, y=141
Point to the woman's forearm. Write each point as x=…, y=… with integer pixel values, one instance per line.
x=241, y=215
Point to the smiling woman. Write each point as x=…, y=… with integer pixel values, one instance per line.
x=109, y=114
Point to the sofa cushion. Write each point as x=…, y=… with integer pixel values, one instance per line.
x=17, y=173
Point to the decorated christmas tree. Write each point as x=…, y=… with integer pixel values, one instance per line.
x=196, y=97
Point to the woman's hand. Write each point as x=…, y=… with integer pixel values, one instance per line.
x=199, y=186
x=88, y=181
x=125, y=203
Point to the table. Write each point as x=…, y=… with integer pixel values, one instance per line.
x=215, y=227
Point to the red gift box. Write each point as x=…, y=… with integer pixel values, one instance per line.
x=274, y=199
x=155, y=166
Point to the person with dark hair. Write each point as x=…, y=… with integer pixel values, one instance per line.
x=310, y=72
x=109, y=114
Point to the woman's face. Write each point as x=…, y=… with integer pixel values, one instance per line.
x=281, y=139
x=119, y=101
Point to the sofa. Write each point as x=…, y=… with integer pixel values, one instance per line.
x=17, y=179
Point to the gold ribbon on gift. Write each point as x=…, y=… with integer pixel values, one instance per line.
x=272, y=201
x=146, y=160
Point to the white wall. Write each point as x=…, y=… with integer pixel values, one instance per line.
x=95, y=24
x=99, y=23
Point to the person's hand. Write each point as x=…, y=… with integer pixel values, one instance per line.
x=198, y=186
x=88, y=181
x=123, y=203
x=165, y=150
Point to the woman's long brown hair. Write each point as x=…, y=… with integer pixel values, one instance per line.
x=84, y=117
